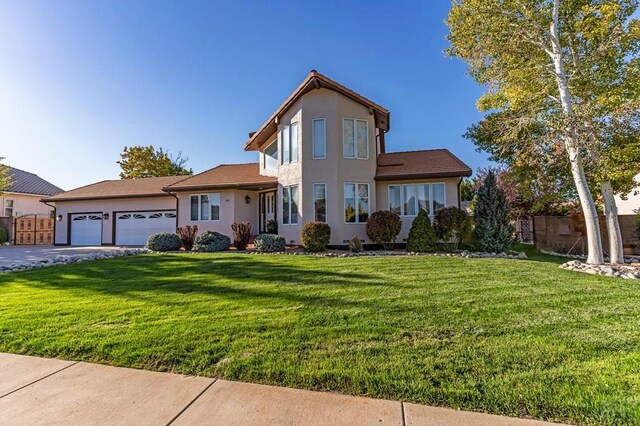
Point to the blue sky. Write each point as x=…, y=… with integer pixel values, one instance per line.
x=79, y=80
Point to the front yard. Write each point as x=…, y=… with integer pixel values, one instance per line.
x=521, y=338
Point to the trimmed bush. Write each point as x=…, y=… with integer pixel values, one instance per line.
x=422, y=236
x=272, y=226
x=269, y=243
x=493, y=232
x=453, y=226
x=315, y=236
x=188, y=235
x=163, y=241
x=4, y=235
x=383, y=227
x=211, y=241
x=355, y=245
x=241, y=234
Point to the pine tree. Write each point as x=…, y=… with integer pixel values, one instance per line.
x=493, y=231
x=422, y=236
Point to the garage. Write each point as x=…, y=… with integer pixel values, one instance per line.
x=133, y=228
x=86, y=229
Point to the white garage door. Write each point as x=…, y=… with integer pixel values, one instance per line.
x=133, y=228
x=86, y=229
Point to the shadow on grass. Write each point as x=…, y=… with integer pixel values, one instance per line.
x=534, y=255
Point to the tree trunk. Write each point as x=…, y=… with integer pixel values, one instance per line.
x=592, y=227
x=616, y=250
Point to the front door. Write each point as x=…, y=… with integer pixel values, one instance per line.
x=267, y=203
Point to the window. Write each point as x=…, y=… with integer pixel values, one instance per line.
x=355, y=138
x=271, y=156
x=408, y=200
x=205, y=207
x=8, y=208
x=289, y=138
x=320, y=201
x=356, y=202
x=290, y=205
x=319, y=138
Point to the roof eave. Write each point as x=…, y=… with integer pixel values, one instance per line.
x=103, y=197
x=248, y=185
x=410, y=176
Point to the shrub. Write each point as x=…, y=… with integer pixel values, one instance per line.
x=355, y=245
x=315, y=236
x=383, y=227
x=211, y=241
x=272, y=226
x=269, y=243
x=188, y=235
x=637, y=224
x=453, y=226
x=241, y=234
x=164, y=241
x=4, y=235
x=493, y=231
x=422, y=236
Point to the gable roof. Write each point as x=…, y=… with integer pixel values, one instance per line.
x=28, y=183
x=226, y=176
x=419, y=165
x=315, y=80
x=125, y=188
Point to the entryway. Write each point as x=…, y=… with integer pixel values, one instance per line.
x=267, y=207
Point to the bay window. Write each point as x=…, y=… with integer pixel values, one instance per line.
x=205, y=207
x=271, y=156
x=289, y=140
x=355, y=138
x=290, y=205
x=408, y=200
x=356, y=202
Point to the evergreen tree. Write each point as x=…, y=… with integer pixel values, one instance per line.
x=422, y=236
x=493, y=231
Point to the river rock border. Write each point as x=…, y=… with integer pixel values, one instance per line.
x=626, y=272
x=66, y=259
x=628, y=259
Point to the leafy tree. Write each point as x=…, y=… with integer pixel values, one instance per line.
x=422, y=236
x=146, y=161
x=5, y=178
x=493, y=231
x=560, y=75
x=467, y=190
x=453, y=226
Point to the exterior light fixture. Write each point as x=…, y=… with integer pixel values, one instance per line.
x=247, y=199
x=105, y=216
x=59, y=218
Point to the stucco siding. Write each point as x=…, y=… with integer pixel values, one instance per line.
x=632, y=204
x=64, y=209
x=24, y=204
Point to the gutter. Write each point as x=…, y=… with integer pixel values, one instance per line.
x=177, y=206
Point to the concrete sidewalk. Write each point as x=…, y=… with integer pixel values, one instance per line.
x=50, y=391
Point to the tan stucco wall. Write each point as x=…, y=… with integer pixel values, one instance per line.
x=632, y=204
x=106, y=206
x=233, y=208
x=24, y=204
x=451, y=199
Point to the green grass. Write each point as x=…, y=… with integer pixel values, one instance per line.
x=521, y=338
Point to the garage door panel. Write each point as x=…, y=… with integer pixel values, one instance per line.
x=133, y=228
x=86, y=229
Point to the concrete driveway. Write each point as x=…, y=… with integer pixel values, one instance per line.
x=12, y=254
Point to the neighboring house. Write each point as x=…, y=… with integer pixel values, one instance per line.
x=322, y=158
x=23, y=195
x=632, y=204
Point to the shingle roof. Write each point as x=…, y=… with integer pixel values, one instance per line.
x=420, y=164
x=29, y=183
x=315, y=80
x=125, y=188
x=226, y=176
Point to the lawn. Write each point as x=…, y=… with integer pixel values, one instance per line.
x=521, y=338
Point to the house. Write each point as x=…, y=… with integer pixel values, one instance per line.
x=632, y=203
x=22, y=196
x=322, y=157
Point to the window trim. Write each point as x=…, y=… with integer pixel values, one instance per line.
x=313, y=138
x=431, y=200
x=355, y=138
x=8, y=201
x=326, y=201
x=287, y=128
x=264, y=155
x=344, y=207
x=288, y=188
x=209, y=194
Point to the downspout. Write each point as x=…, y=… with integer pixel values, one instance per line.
x=55, y=220
x=177, y=206
x=459, y=195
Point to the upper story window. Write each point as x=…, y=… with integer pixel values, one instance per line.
x=8, y=208
x=356, y=202
x=319, y=138
x=289, y=138
x=408, y=200
x=205, y=207
x=290, y=205
x=355, y=138
x=271, y=156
